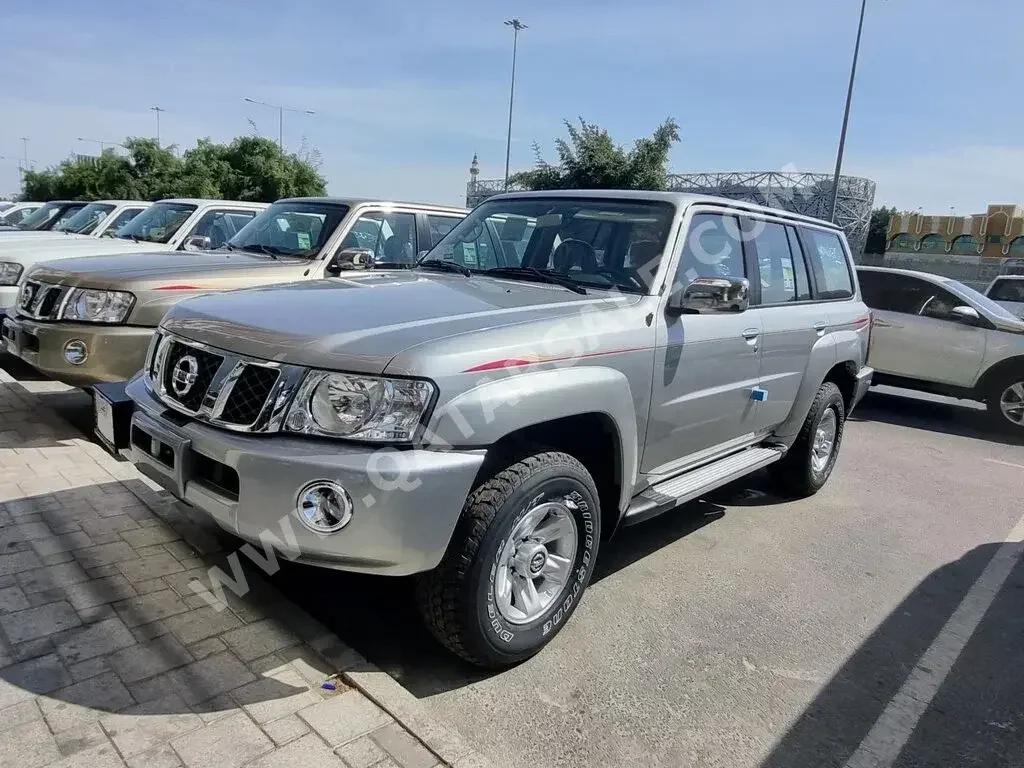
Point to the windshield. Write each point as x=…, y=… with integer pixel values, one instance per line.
x=158, y=223
x=984, y=301
x=50, y=215
x=290, y=229
x=85, y=220
x=599, y=243
x=1007, y=289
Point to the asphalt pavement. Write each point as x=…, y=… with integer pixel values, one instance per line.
x=748, y=630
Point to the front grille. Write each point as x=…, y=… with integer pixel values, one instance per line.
x=185, y=383
x=248, y=397
x=41, y=301
x=223, y=389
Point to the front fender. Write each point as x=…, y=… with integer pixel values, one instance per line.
x=493, y=410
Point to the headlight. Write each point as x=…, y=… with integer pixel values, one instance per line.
x=10, y=273
x=359, y=407
x=91, y=306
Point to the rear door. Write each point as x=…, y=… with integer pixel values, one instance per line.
x=791, y=322
x=913, y=334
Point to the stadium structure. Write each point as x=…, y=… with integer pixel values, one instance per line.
x=806, y=193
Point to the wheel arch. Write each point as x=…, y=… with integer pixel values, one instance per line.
x=995, y=372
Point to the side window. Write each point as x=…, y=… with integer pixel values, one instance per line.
x=391, y=236
x=894, y=292
x=221, y=226
x=803, y=285
x=828, y=260
x=713, y=248
x=776, y=265
x=123, y=218
x=938, y=303
x=440, y=226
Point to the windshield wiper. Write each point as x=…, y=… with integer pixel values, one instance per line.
x=444, y=266
x=543, y=275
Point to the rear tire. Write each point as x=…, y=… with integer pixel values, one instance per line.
x=808, y=464
x=1005, y=402
x=478, y=602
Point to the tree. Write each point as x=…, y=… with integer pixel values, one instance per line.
x=249, y=168
x=589, y=159
x=878, y=230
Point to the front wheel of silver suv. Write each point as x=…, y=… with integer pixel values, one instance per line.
x=808, y=464
x=518, y=563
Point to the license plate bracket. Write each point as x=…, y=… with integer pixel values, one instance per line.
x=113, y=409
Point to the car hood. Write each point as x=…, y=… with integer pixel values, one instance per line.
x=1016, y=307
x=30, y=250
x=158, y=268
x=360, y=323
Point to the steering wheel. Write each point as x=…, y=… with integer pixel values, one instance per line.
x=588, y=262
x=620, y=274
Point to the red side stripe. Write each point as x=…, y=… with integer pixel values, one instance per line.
x=517, y=362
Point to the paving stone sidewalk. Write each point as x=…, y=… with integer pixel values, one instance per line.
x=108, y=658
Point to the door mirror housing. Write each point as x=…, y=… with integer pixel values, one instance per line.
x=710, y=295
x=349, y=259
x=966, y=315
x=197, y=243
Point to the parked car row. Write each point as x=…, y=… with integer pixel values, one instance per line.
x=477, y=399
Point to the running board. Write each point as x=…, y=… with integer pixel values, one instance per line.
x=669, y=494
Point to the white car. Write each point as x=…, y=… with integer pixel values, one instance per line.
x=14, y=214
x=1008, y=291
x=934, y=334
x=183, y=224
x=96, y=219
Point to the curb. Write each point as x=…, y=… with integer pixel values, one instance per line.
x=444, y=742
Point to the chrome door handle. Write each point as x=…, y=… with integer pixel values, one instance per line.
x=751, y=333
x=820, y=326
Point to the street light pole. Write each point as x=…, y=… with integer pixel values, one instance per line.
x=158, y=110
x=516, y=25
x=846, y=114
x=280, y=117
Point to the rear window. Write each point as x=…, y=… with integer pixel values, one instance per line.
x=828, y=261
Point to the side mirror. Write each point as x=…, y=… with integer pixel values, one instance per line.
x=710, y=295
x=198, y=243
x=349, y=259
x=966, y=315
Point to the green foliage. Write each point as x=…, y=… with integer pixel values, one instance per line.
x=878, y=229
x=589, y=159
x=249, y=168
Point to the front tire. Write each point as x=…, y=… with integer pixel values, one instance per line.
x=1005, y=402
x=518, y=563
x=808, y=464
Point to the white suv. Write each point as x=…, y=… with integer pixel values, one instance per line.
x=934, y=334
x=1008, y=291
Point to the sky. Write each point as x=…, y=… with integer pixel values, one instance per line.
x=406, y=91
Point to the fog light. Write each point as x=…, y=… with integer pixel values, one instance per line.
x=75, y=352
x=324, y=507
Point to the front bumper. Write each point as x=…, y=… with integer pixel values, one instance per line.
x=116, y=352
x=861, y=384
x=402, y=520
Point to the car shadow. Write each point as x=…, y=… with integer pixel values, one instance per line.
x=378, y=616
x=76, y=632
x=976, y=717
x=944, y=415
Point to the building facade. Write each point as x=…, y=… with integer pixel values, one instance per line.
x=996, y=234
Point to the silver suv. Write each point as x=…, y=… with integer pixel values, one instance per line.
x=934, y=334
x=559, y=365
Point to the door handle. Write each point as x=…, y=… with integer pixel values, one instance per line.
x=879, y=323
x=751, y=333
x=820, y=326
